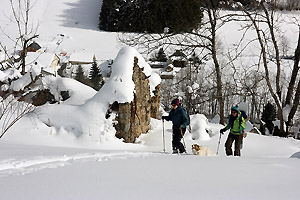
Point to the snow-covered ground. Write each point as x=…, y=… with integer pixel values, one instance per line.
x=268, y=169
x=39, y=161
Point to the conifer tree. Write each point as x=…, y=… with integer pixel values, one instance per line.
x=161, y=56
x=95, y=76
x=269, y=115
x=107, y=17
x=150, y=16
x=269, y=112
x=79, y=76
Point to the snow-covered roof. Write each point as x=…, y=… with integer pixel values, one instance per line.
x=35, y=46
x=82, y=57
x=178, y=55
x=43, y=59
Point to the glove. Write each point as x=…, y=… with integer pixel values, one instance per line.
x=222, y=130
x=164, y=117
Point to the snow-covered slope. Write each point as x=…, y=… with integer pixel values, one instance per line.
x=141, y=171
x=64, y=26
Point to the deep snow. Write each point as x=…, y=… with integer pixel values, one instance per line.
x=265, y=171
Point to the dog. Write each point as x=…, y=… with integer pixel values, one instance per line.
x=202, y=150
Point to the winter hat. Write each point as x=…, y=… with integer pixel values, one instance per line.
x=175, y=102
x=235, y=108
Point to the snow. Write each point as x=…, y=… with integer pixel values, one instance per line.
x=68, y=150
x=22, y=82
x=82, y=57
x=142, y=171
x=285, y=111
x=122, y=70
x=44, y=59
x=201, y=129
x=9, y=74
x=79, y=93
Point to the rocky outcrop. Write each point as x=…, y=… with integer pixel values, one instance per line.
x=133, y=118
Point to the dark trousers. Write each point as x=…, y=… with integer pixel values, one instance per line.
x=176, y=142
x=237, y=139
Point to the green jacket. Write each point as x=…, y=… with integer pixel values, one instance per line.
x=239, y=124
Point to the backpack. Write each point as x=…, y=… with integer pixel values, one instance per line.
x=243, y=114
x=189, y=120
x=188, y=116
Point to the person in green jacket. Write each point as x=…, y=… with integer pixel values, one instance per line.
x=236, y=124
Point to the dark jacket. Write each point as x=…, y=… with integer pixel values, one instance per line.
x=178, y=117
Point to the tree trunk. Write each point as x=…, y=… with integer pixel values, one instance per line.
x=213, y=23
x=23, y=54
x=294, y=74
x=270, y=22
x=291, y=87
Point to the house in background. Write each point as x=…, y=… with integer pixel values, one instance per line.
x=179, y=59
x=48, y=61
x=167, y=68
x=70, y=63
x=82, y=58
x=33, y=47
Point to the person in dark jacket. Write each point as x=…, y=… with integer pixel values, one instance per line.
x=179, y=119
x=236, y=124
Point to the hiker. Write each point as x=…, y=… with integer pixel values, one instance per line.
x=179, y=119
x=236, y=124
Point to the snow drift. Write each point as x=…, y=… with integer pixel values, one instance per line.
x=88, y=120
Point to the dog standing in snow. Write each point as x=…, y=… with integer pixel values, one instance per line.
x=202, y=150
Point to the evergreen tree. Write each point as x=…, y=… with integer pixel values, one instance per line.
x=269, y=115
x=161, y=56
x=150, y=15
x=184, y=16
x=107, y=18
x=79, y=76
x=95, y=76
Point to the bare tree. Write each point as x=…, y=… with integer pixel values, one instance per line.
x=269, y=43
x=25, y=28
x=11, y=111
x=12, y=104
x=294, y=72
x=203, y=40
x=255, y=20
x=291, y=86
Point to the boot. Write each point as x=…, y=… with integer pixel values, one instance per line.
x=175, y=151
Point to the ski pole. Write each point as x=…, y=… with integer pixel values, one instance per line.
x=164, y=136
x=219, y=143
x=183, y=141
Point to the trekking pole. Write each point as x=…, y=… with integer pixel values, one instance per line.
x=183, y=141
x=164, y=136
x=219, y=143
